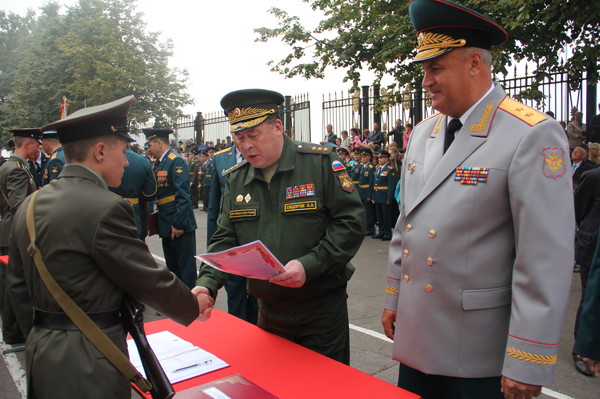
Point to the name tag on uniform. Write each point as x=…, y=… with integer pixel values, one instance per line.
x=242, y=213
x=300, y=206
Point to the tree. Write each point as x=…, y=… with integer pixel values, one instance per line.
x=377, y=35
x=96, y=52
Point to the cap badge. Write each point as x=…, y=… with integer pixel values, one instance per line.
x=431, y=44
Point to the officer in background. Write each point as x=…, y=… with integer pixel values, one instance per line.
x=481, y=258
x=138, y=187
x=298, y=199
x=176, y=222
x=365, y=188
x=56, y=157
x=99, y=260
x=208, y=173
x=356, y=165
x=344, y=157
x=37, y=167
x=384, y=184
x=194, y=167
x=16, y=183
x=239, y=302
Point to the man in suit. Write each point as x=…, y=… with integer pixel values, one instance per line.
x=87, y=238
x=587, y=218
x=56, y=157
x=239, y=302
x=16, y=183
x=580, y=165
x=176, y=221
x=138, y=187
x=376, y=136
x=473, y=302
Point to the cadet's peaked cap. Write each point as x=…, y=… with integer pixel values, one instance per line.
x=384, y=153
x=344, y=150
x=100, y=120
x=366, y=151
x=30, y=132
x=50, y=134
x=443, y=26
x=250, y=107
x=152, y=133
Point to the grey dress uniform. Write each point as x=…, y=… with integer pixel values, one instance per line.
x=481, y=258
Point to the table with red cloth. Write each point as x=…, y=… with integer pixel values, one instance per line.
x=283, y=368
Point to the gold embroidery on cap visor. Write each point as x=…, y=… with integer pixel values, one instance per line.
x=245, y=118
x=433, y=44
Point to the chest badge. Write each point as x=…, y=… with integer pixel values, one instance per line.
x=469, y=175
x=239, y=198
x=247, y=198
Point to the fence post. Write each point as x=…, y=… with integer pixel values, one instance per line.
x=417, y=106
x=364, y=109
x=198, y=127
x=287, y=110
x=376, y=113
x=591, y=78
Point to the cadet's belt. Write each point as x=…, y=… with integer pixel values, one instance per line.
x=60, y=321
x=363, y=186
x=165, y=200
x=381, y=188
x=133, y=201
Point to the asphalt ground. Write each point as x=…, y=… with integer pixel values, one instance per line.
x=370, y=349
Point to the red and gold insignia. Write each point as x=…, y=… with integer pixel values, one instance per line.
x=179, y=169
x=346, y=182
x=554, y=162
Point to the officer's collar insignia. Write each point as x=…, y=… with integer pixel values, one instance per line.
x=247, y=198
x=554, y=162
x=239, y=198
x=483, y=122
x=337, y=166
x=303, y=190
x=346, y=182
x=470, y=175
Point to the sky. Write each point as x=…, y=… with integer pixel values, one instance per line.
x=214, y=41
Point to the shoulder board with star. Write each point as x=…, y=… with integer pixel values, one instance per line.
x=223, y=151
x=309, y=148
x=235, y=167
x=172, y=156
x=527, y=114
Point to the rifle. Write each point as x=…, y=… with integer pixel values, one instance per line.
x=133, y=321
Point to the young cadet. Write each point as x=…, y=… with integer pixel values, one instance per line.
x=298, y=199
x=481, y=258
x=56, y=162
x=87, y=239
x=365, y=188
x=384, y=184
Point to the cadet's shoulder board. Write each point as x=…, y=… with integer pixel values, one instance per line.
x=523, y=112
x=235, y=167
x=309, y=148
x=222, y=151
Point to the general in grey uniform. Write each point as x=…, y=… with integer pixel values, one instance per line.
x=481, y=258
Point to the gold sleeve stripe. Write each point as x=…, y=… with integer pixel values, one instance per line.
x=391, y=290
x=531, y=357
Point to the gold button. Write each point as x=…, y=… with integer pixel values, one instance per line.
x=428, y=287
x=405, y=253
x=406, y=278
x=429, y=261
x=409, y=227
x=432, y=233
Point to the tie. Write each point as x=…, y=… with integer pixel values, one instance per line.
x=453, y=127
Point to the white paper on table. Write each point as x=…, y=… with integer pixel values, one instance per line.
x=252, y=260
x=180, y=359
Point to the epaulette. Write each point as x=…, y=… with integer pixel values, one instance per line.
x=221, y=152
x=527, y=114
x=235, y=167
x=172, y=156
x=309, y=148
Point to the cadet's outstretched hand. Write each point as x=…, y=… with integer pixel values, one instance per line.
x=519, y=390
x=205, y=302
x=294, y=275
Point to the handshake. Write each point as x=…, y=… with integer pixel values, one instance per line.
x=205, y=302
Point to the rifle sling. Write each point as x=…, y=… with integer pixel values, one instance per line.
x=77, y=315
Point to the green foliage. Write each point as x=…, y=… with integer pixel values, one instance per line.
x=97, y=51
x=377, y=35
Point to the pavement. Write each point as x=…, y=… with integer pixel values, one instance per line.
x=370, y=349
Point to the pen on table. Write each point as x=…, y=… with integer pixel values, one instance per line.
x=193, y=365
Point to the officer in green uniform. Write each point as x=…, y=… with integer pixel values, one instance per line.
x=298, y=199
x=356, y=165
x=194, y=166
x=208, y=173
x=345, y=157
x=16, y=183
x=365, y=188
x=384, y=184
x=87, y=238
x=56, y=162
x=176, y=221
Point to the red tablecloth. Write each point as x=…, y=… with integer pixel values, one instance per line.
x=281, y=367
x=4, y=259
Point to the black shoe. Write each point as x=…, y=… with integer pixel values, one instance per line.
x=377, y=236
x=386, y=238
x=369, y=233
x=580, y=366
